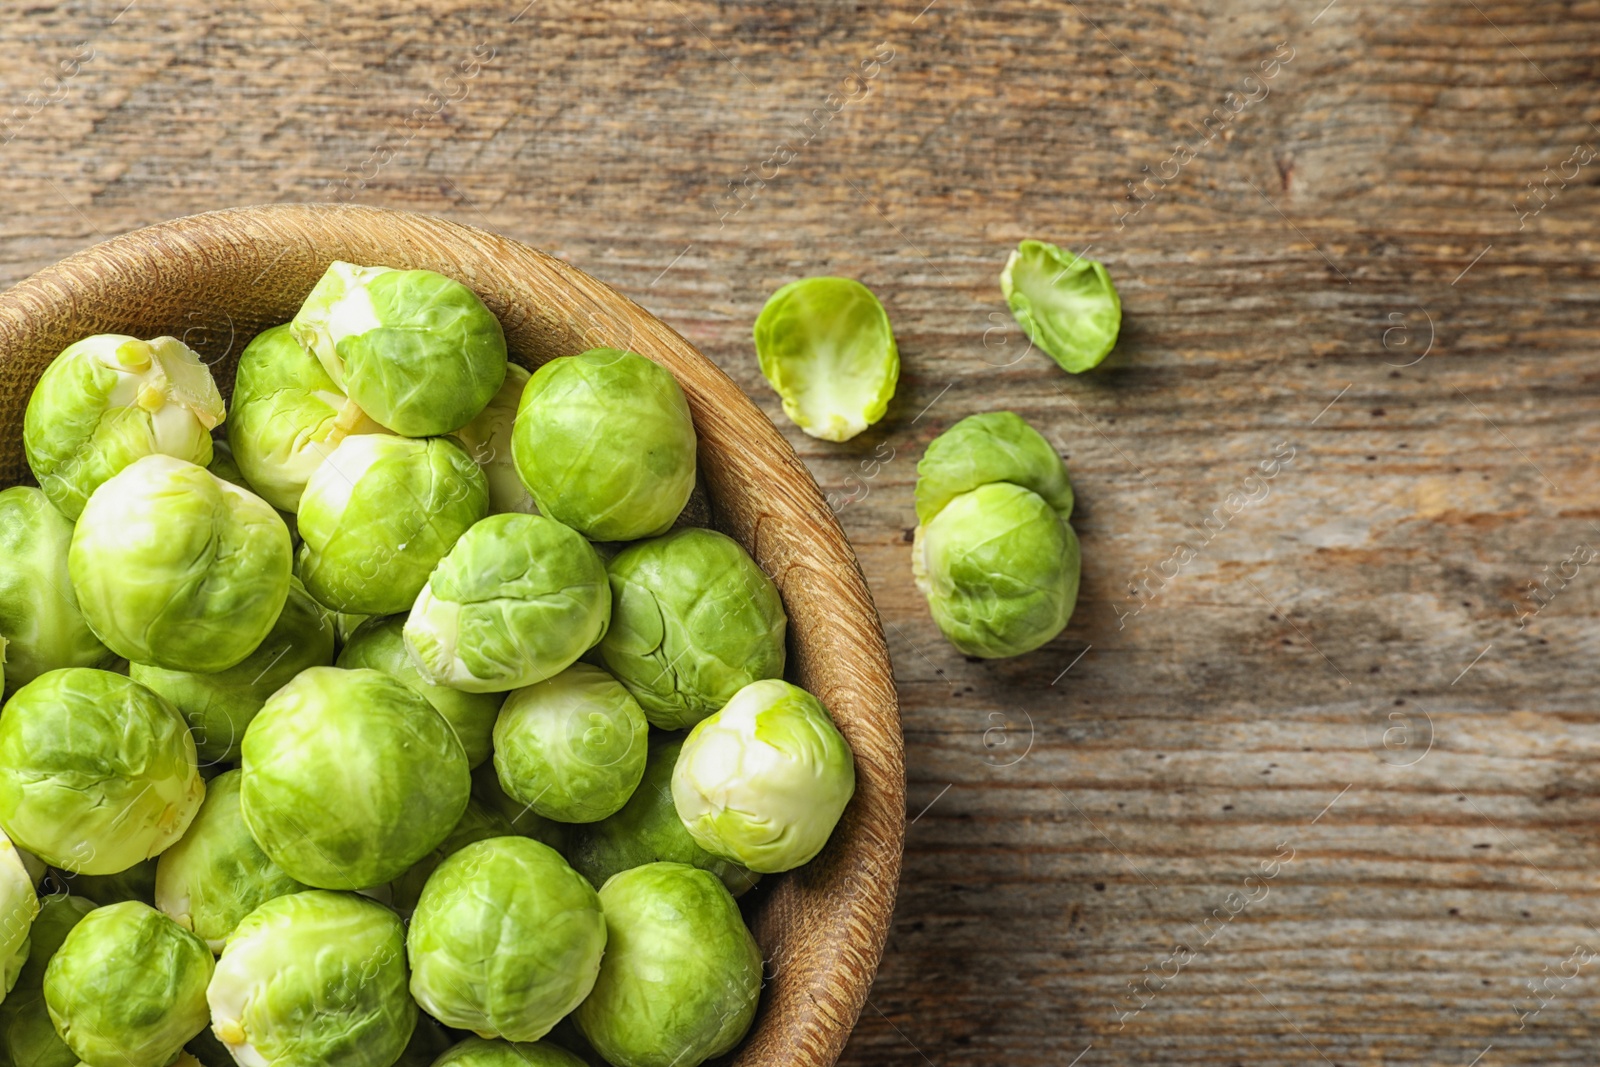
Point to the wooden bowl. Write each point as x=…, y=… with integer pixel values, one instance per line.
x=216, y=280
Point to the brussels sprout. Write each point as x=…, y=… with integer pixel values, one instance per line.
x=286, y=416
x=1065, y=303
x=478, y=823
x=648, y=830
x=487, y=440
x=136, y=883
x=39, y=615
x=350, y=777
x=314, y=978
x=480, y=1052
x=219, y=706
x=217, y=874
x=19, y=904
x=128, y=987
x=572, y=747
x=605, y=443
x=26, y=1032
x=177, y=568
x=380, y=514
x=518, y=599
x=506, y=940
x=110, y=400
x=826, y=346
x=378, y=644
x=417, y=351
x=96, y=771
x=998, y=446
x=523, y=819
x=999, y=569
x=681, y=975
x=763, y=781
x=693, y=621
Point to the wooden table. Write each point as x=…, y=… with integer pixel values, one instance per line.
x=1321, y=788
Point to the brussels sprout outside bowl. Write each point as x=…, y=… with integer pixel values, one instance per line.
x=217, y=280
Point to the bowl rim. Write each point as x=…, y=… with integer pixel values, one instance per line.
x=848, y=892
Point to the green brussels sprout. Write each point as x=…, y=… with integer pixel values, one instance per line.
x=19, y=904
x=681, y=974
x=379, y=645
x=572, y=747
x=209, y=881
x=524, y=820
x=481, y=1052
x=39, y=615
x=314, y=978
x=286, y=416
x=127, y=987
x=350, y=777
x=1065, y=303
x=478, y=823
x=826, y=346
x=136, y=883
x=96, y=771
x=417, y=351
x=26, y=1032
x=764, y=781
x=487, y=440
x=506, y=940
x=604, y=442
x=218, y=707
x=648, y=830
x=177, y=568
x=693, y=621
x=379, y=515
x=999, y=569
x=110, y=400
x=518, y=600
x=998, y=446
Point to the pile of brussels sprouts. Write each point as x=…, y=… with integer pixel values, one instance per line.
x=407, y=724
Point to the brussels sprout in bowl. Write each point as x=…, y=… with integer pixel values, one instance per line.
x=255, y=268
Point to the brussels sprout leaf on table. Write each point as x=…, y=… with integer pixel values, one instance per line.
x=1066, y=304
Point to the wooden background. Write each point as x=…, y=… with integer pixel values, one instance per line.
x=1343, y=691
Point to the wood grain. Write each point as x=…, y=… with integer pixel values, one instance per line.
x=1383, y=175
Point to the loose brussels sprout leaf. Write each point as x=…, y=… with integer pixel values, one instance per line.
x=506, y=940
x=350, y=777
x=379, y=515
x=136, y=883
x=694, y=620
x=681, y=974
x=764, y=781
x=994, y=447
x=39, y=615
x=479, y=1052
x=128, y=987
x=826, y=346
x=605, y=443
x=217, y=874
x=573, y=747
x=999, y=569
x=648, y=830
x=26, y=1032
x=1066, y=304
x=218, y=707
x=478, y=823
x=487, y=440
x=286, y=416
x=523, y=819
x=110, y=400
x=96, y=771
x=177, y=568
x=378, y=644
x=417, y=351
x=518, y=599
x=314, y=978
